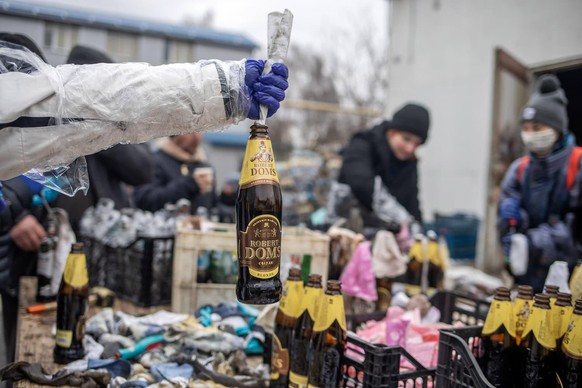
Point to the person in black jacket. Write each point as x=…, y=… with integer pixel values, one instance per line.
x=387, y=151
x=181, y=171
x=111, y=171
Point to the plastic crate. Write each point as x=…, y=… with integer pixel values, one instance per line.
x=137, y=273
x=369, y=365
x=459, y=358
x=460, y=231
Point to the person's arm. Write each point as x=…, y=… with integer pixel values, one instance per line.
x=52, y=116
x=130, y=163
x=510, y=206
x=358, y=171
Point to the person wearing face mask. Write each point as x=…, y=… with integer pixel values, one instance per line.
x=540, y=191
x=380, y=168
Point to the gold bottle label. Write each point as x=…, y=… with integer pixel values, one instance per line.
x=290, y=303
x=64, y=338
x=541, y=325
x=572, y=343
x=311, y=301
x=279, y=359
x=297, y=381
x=258, y=164
x=521, y=311
x=330, y=310
x=261, y=246
x=75, y=273
x=561, y=316
x=500, y=313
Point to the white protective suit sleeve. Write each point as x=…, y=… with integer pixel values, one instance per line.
x=51, y=116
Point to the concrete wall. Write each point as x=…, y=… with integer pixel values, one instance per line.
x=442, y=54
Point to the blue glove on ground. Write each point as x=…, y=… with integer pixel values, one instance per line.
x=268, y=90
x=509, y=209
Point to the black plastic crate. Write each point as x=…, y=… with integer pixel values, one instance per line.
x=140, y=273
x=371, y=365
x=460, y=358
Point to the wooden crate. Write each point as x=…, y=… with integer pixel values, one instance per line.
x=187, y=295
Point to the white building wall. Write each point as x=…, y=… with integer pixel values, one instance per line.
x=442, y=54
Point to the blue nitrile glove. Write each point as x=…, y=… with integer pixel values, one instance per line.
x=268, y=89
x=506, y=246
x=33, y=186
x=509, y=209
x=2, y=201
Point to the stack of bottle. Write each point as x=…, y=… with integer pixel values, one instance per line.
x=310, y=334
x=533, y=341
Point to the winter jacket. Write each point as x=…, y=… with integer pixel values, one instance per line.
x=369, y=155
x=109, y=171
x=173, y=180
x=14, y=262
x=105, y=104
x=547, y=210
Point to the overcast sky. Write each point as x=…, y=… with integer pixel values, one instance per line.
x=315, y=21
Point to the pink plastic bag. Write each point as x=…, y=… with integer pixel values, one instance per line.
x=358, y=277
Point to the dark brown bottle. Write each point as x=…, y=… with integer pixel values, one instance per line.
x=571, y=373
x=258, y=222
x=72, y=308
x=561, y=314
x=552, y=291
x=312, y=296
x=285, y=321
x=499, y=341
x=45, y=264
x=539, y=342
x=328, y=342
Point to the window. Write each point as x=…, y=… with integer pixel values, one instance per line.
x=179, y=52
x=122, y=46
x=60, y=37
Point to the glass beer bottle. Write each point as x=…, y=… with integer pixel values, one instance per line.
x=562, y=313
x=499, y=340
x=287, y=314
x=258, y=222
x=303, y=329
x=72, y=308
x=571, y=374
x=539, y=342
x=45, y=264
x=522, y=309
x=328, y=341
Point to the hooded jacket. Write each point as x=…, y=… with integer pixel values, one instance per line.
x=369, y=155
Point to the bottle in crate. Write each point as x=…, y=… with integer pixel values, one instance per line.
x=72, y=308
x=312, y=296
x=522, y=309
x=576, y=281
x=539, y=343
x=258, y=221
x=328, y=341
x=287, y=314
x=571, y=373
x=552, y=291
x=499, y=341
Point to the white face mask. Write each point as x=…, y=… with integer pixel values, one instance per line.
x=539, y=141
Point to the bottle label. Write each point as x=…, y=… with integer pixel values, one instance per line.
x=561, y=316
x=572, y=343
x=540, y=324
x=261, y=246
x=500, y=313
x=290, y=303
x=521, y=311
x=64, y=338
x=311, y=301
x=279, y=359
x=330, y=310
x=258, y=164
x=76, y=270
x=297, y=381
